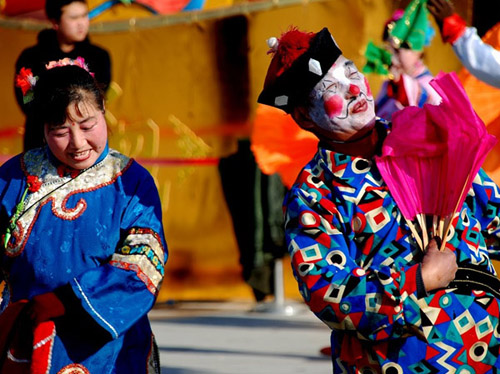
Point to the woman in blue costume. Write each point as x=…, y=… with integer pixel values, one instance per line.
x=84, y=250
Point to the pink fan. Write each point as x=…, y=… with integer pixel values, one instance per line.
x=412, y=156
x=432, y=155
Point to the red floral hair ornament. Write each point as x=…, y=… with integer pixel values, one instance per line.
x=33, y=184
x=26, y=81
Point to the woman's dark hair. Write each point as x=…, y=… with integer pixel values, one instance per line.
x=61, y=86
x=53, y=8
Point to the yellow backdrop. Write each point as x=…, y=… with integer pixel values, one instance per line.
x=183, y=94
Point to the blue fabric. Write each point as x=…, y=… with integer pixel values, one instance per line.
x=99, y=233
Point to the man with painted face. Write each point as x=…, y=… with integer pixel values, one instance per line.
x=390, y=306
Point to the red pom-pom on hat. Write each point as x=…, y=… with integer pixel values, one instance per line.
x=300, y=61
x=286, y=50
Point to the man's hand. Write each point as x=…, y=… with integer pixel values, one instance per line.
x=440, y=9
x=438, y=268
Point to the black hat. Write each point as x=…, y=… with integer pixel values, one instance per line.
x=300, y=61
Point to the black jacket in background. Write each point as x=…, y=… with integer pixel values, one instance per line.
x=46, y=50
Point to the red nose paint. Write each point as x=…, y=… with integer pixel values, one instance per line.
x=354, y=90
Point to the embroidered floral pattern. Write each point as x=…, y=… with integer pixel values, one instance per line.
x=74, y=369
x=57, y=191
x=33, y=185
x=143, y=253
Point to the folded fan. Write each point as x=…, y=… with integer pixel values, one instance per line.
x=432, y=155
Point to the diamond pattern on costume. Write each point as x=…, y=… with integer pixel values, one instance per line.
x=377, y=218
x=356, y=269
x=311, y=253
x=334, y=293
x=373, y=302
x=422, y=367
x=464, y=322
x=484, y=328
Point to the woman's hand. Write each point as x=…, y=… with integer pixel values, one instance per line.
x=438, y=267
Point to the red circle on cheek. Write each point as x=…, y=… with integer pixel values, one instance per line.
x=333, y=105
x=368, y=89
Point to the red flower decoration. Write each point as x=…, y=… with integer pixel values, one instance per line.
x=34, y=183
x=24, y=80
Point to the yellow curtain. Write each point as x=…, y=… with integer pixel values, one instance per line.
x=176, y=105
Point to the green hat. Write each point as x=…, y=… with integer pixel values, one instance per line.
x=378, y=60
x=412, y=28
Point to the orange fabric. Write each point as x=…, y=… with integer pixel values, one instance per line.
x=280, y=145
x=485, y=99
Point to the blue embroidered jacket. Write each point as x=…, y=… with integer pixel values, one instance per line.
x=97, y=240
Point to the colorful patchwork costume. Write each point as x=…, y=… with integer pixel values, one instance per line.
x=96, y=240
x=358, y=269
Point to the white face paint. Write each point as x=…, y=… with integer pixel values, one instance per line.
x=342, y=104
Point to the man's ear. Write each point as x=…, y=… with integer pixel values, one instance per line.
x=55, y=24
x=301, y=116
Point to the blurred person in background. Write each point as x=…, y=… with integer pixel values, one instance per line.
x=68, y=38
x=410, y=77
x=480, y=59
x=254, y=202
